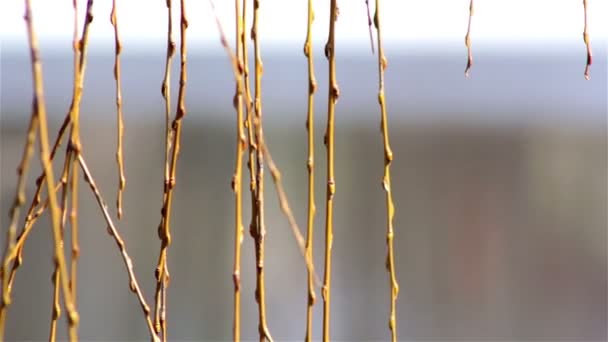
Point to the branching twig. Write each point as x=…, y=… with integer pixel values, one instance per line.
x=166, y=93
x=133, y=284
x=467, y=41
x=56, y=307
x=587, y=41
x=40, y=110
x=162, y=271
x=386, y=180
x=334, y=93
x=310, y=127
x=274, y=171
x=22, y=172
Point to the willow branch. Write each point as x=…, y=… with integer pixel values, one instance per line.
x=237, y=177
x=166, y=93
x=386, y=180
x=40, y=110
x=162, y=270
x=113, y=231
x=274, y=171
x=251, y=140
x=19, y=200
x=261, y=233
x=56, y=307
x=310, y=165
x=119, y=117
x=334, y=93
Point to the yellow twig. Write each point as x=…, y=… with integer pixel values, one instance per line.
x=133, y=284
x=386, y=180
x=40, y=110
x=119, y=117
x=334, y=93
x=310, y=164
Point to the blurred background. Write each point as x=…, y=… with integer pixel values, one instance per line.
x=499, y=180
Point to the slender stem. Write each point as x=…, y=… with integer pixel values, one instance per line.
x=40, y=110
x=274, y=171
x=19, y=200
x=386, y=180
x=113, y=231
x=237, y=177
x=75, y=240
x=166, y=93
x=467, y=41
x=261, y=233
x=56, y=307
x=119, y=117
x=587, y=41
x=162, y=270
x=251, y=140
x=334, y=93
x=310, y=165
x=16, y=253
x=369, y=24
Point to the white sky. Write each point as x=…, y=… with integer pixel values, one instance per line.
x=285, y=20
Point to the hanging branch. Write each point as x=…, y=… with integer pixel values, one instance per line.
x=261, y=225
x=251, y=142
x=467, y=41
x=237, y=178
x=162, y=270
x=56, y=307
x=40, y=112
x=119, y=116
x=386, y=180
x=274, y=171
x=334, y=93
x=166, y=93
x=587, y=43
x=113, y=231
x=369, y=24
x=15, y=254
x=19, y=200
x=310, y=165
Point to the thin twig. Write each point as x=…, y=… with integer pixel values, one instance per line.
x=261, y=225
x=15, y=254
x=386, y=180
x=237, y=178
x=467, y=41
x=587, y=41
x=334, y=93
x=40, y=110
x=56, y=307
x=369, y=24
x=22, y=172
x=274, y=171
x=120, y=123
x=251, y=141
x=166, y=93
x=113, y=231
x=310, y=165
x=162, y=270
